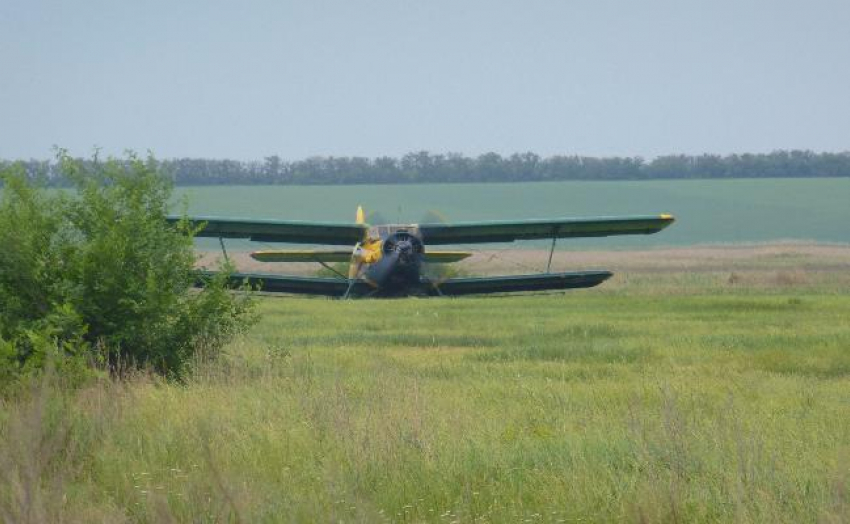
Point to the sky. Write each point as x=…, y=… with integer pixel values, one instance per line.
x=250, y=79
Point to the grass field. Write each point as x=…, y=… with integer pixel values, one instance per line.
x=666, y=396
x=709, y=211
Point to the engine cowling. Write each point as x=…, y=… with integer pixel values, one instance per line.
x=400, y=262
x=408, y=247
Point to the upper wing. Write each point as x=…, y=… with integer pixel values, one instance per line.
x=510, y=230
x=512, y=283
x=331, y=287
x=278, y=230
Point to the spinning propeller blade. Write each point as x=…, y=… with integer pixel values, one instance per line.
x=435, y=273
x=356, y=263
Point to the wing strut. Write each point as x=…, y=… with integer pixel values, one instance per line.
x=434, y=285
x=552, y=250
x=329, y=268
x=223, y=249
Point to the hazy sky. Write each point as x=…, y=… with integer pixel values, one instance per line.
x=253, y=78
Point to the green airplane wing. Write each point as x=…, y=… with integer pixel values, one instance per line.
x=303, y=255
x=514, y=283
x=336, y=287
x=330, y=287
x=511, y=230
x=261, y=230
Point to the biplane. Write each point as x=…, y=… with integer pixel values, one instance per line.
x=388, y=260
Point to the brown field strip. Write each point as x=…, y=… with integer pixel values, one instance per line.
x=777, y=264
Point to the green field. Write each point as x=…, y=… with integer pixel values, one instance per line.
x=709, y=211
x=723, y=401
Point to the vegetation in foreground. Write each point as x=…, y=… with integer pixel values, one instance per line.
x=98, y=276
x=628, y=405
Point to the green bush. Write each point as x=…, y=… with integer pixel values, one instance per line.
x=97, y=273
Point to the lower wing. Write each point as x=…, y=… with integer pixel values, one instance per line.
x=330, y=287
x=513, y=283
x=336, y=287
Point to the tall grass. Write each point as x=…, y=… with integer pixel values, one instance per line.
x=632, y=406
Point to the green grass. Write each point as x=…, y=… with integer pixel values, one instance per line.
x=628, y=405
x=709, y=211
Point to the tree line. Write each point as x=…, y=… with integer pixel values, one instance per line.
x=425, y=167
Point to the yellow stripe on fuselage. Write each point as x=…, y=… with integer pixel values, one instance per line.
x=371, y=251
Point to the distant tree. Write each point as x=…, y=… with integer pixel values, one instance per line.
x=425, y=167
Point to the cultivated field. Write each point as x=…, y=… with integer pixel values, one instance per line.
x=702, y=384
x=709, y=211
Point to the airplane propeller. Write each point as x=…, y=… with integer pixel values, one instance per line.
x=354, y=268
x=401, y=260
x=435, y=274
x=356, y=263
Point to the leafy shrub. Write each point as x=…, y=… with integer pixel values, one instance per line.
x=98, y=273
